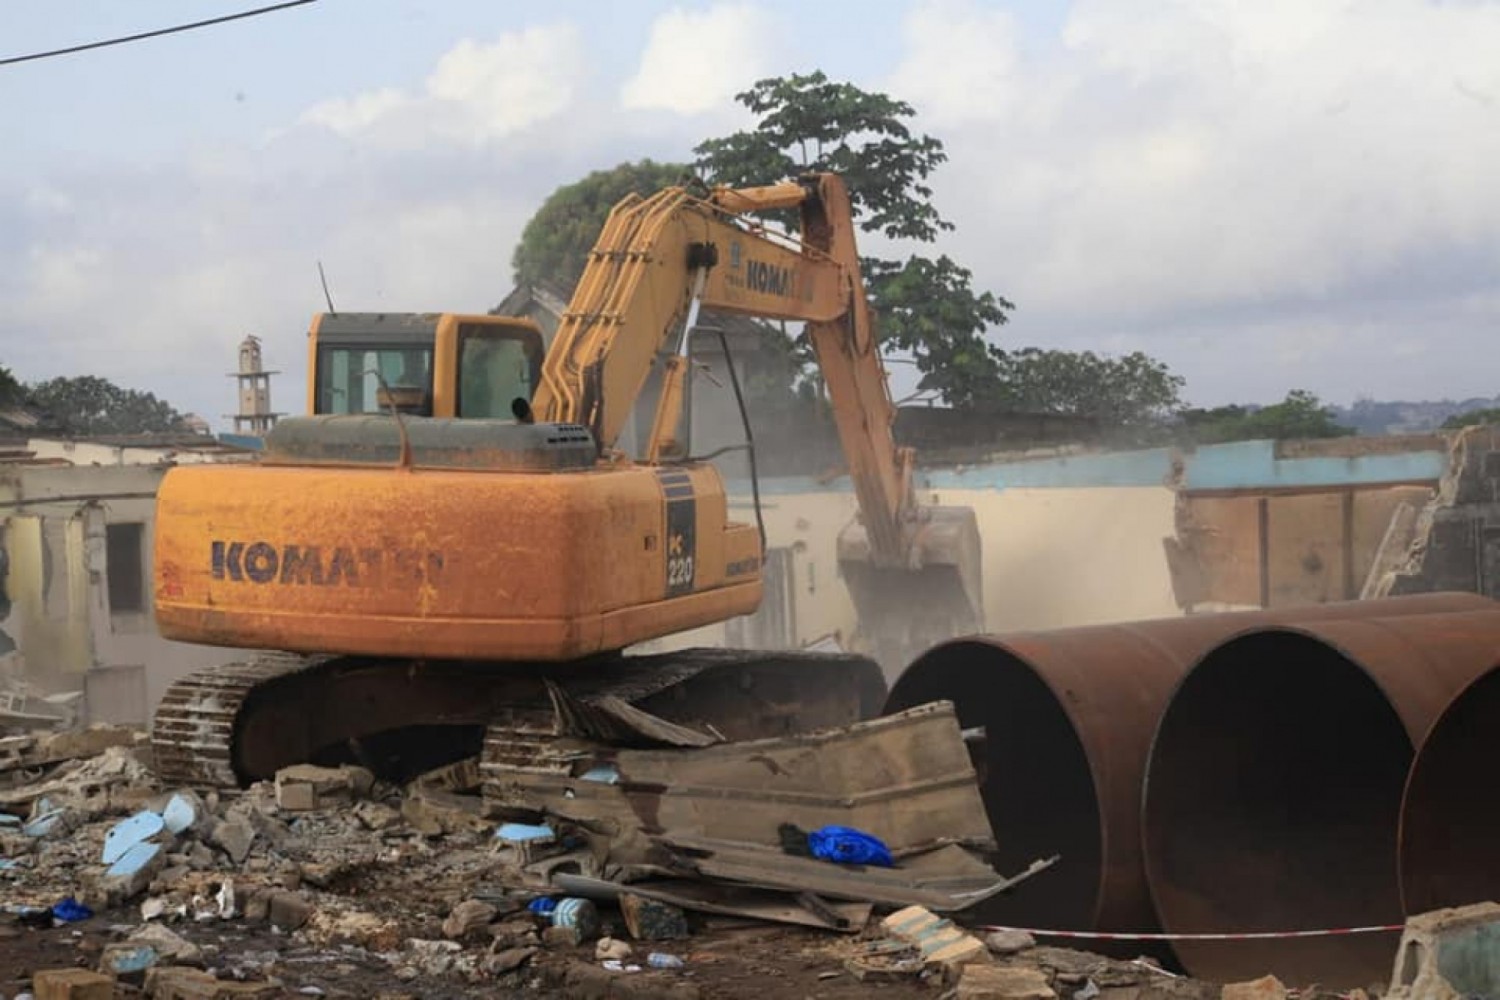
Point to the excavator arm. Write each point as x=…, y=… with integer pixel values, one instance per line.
x=657, y=262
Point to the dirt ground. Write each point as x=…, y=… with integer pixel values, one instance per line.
x=724, y=963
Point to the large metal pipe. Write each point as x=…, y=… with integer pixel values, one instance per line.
x=1274, y=785
x=1450, y=814
x=1069, y=715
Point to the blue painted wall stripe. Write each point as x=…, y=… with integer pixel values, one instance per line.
x=1242, y=465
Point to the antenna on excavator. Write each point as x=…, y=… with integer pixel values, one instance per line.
x=326, y=297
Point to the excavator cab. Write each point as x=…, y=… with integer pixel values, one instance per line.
x=423, y=364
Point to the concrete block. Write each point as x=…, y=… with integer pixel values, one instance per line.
x=236, y=836
x=989, y=982
x=649, y=920
x=1264, y=988
x=1449, y=953
x=470, y=915
x=289, y=911
x=296, y=796
x=940, y=941
x=72, y=984
x=177, y=983
x=1009, y=942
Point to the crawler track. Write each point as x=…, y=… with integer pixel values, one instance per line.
x=231, y=725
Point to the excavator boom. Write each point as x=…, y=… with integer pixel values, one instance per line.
x=657, y=261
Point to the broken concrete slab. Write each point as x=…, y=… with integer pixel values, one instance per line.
x=1452, y=952
x=905, y=778
x=234, y=836
x=288, y=911
x=177, y=983
x=991, y=982
x=1009, y=942
x=466, y=917
x=1264, y=988
x=722, y=900
x=946, y=880
x=307, y=787
x=938, y=940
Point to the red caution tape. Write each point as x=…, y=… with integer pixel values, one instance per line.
x=1245, y=936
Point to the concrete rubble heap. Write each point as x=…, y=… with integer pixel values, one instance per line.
x=331, y=882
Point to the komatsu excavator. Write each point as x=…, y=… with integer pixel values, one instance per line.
x=450, y=551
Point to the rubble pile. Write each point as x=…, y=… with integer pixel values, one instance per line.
x=329, y=881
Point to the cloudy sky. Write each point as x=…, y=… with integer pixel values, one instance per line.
x=1266, y=195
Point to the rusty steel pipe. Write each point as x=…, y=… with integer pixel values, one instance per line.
x=1069, y=716
x=1450, y=815
x=1274, y=784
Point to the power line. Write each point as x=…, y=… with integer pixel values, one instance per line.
x=154, y=34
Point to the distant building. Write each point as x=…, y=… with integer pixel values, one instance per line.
x=256, y=418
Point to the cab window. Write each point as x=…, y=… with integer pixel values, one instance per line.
x=347, y=381
x=494, y=369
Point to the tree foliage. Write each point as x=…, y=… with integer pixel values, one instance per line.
x=1473, y=418
x=555, y=244
x=809, y=123
x=1131, y=392
x=12, y=392
x=88, y=404
x=1300, y=416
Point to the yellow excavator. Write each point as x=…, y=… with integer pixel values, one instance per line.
x=451, y=552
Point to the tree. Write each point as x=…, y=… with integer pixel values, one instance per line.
x=1300, y=416
x=1488, y=415
x=929, y=307
x=12, y=393
x=91, y=405
x=556, y=242
x=1132, y=392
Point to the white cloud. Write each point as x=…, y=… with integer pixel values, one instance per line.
x=961, y=63
x=1161, y=164
x=477, y=92
x=351, y=115
x=1266, y=195
x=696, y=61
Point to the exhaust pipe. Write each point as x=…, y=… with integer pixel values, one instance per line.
x=1273, y=789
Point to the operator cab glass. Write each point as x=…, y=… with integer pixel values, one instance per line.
x=425, y=364
x=495, y=368
x=349, y=378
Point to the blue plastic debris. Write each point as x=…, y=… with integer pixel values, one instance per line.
x=542, y=905
x=179, y=814
x=9, y=864
x=126, y=961
x=129, y=832
x=579, y=914
x=521, y=833
x=44, y=824
x=604, y=774
x=848, y=846
x=70, y=911
x=6, y=819
x=133, y=860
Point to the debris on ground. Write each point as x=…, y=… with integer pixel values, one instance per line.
x=631, y=871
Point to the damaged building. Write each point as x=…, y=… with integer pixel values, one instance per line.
x=77, y=612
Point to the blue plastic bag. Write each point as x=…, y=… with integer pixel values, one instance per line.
x=70, y=911
x=848, y=846
x=542, y=906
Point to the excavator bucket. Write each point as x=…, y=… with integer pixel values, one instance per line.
x=903, y=610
